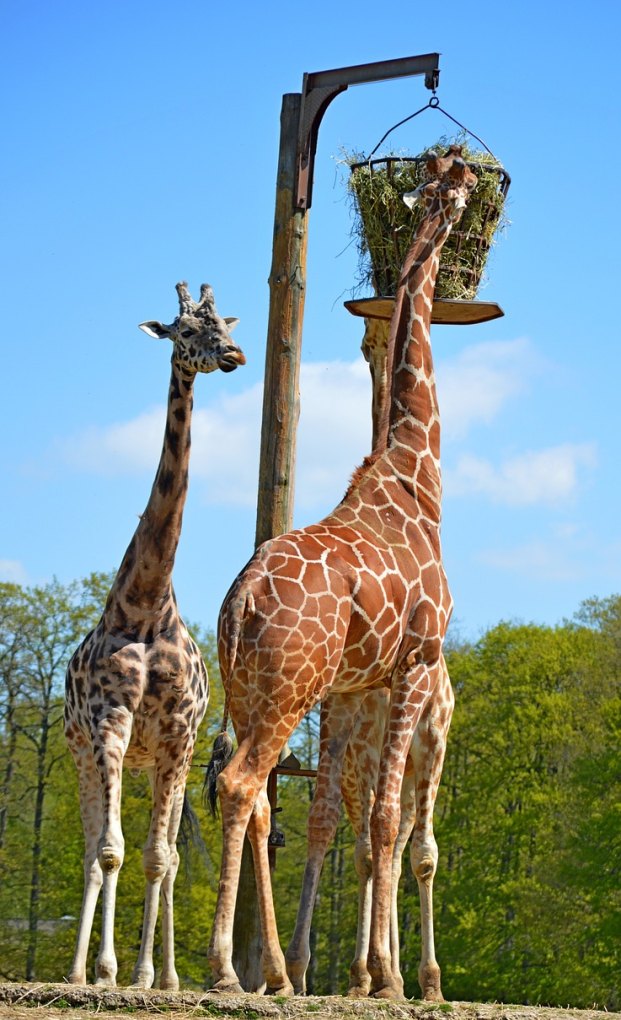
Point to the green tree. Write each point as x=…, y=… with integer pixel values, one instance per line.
x=40, y=628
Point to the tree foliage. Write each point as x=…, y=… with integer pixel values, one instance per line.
x=527, y=898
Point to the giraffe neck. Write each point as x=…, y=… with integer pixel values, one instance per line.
x=143, y=584
x=409, y=435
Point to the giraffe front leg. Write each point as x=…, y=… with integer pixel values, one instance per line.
x=110, y=745
x=337, y=718
x=406, y=823
x=157, y=861
x=169, y=978
x=91, y=813
x=413, y=684
x=359, y=977
x=428, y=749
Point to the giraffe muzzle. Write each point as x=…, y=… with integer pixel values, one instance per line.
x=229, y=362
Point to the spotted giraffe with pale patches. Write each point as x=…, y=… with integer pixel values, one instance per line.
x=137, y=687
x=358, y=601
x=359, y=784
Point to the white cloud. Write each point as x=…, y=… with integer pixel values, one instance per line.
x=474, y=385
x=546, y=476
x=335, y=432
x=13, y=571
x=333, y=437
x=118, y=449
x=226, y=440
x=335, y=429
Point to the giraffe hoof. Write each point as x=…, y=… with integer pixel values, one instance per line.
x=286, y=988
x=358, y=991
x=77, y=979
x=433, y=995
x=387, y=992
x=226, y=987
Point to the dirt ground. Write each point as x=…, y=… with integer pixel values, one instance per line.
x=47, y=1002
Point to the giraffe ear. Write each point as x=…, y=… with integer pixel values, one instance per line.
x=231, y=322
x=155, y=329
x=411, y=197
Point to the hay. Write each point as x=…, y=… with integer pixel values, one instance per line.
x=384, y=226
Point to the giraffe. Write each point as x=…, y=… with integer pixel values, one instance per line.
x=359, y=780
x=359, y=600
x=137, y=687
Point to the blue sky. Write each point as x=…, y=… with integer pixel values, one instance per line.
x=140, y=149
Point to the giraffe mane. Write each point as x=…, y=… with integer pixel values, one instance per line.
x=361, y=471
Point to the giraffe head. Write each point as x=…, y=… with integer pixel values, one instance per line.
x=449, y=179
x=201, y=338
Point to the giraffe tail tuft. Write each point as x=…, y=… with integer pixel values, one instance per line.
x=221, y=755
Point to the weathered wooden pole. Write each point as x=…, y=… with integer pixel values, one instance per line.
x=281, y=408
x=287, y=283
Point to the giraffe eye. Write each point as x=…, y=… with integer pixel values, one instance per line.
x=186, y=333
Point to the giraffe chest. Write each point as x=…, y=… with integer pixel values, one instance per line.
x=159, y=688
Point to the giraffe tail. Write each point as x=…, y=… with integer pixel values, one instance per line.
x=221, y=755
x=236, y=611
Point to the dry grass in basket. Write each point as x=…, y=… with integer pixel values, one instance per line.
x=384, y=226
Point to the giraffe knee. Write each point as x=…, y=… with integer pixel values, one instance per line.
x=231, y=792
x=155, y=861
x=363, y=858
x=424, y=860
x=322, y=824
x=110, y=856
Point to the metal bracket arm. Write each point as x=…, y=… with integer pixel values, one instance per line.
x=319, y=89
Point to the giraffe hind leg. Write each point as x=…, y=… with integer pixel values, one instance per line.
x=239, y=785
x=272, y=959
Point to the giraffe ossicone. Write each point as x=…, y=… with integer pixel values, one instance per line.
x=136, y=688
x=357, y=601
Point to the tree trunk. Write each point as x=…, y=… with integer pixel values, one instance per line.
x=37, y=825
x=9, y=768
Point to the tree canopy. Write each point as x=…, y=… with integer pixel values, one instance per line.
x=527, y=895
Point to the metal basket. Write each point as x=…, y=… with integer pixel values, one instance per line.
x=388, y=226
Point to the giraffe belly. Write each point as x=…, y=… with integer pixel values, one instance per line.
x=138, y=758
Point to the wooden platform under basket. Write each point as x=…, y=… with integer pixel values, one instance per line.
x=450, y=312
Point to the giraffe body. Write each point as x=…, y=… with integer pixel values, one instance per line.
x=136, y=688
x=331, y=611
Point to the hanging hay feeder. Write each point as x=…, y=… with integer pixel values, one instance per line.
x=385, y=228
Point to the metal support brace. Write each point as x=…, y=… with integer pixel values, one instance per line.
x=320, y=88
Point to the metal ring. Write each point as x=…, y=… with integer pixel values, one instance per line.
x=433, y=102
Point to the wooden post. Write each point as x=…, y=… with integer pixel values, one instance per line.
x=281, y=408
x=281, y=397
